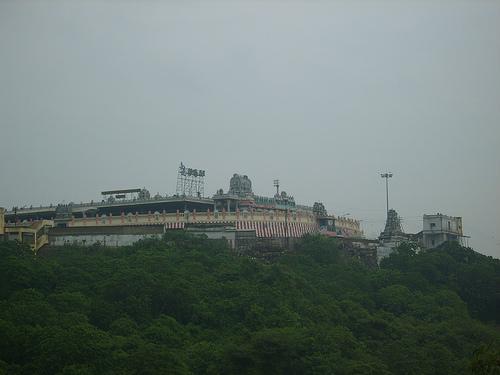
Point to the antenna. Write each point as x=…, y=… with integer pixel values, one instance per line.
x=276, y=184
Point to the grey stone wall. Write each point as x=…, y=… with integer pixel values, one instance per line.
x=114, y=240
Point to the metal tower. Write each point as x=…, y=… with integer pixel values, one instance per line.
x=190, y=182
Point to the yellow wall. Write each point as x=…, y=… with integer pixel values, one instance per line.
x=350, y=226
x=2, y=220
x=199, y=217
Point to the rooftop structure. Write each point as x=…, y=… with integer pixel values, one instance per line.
x=238, y=210
x=348, y=228
x=190, y=182
x=119, y=192
x=440, y=228
x=241, y=197
x=392, y=226
x=240, y=185
x=392, y=236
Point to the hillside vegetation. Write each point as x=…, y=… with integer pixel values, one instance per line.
x=187, y=305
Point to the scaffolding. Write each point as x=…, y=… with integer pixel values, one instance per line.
x=190, y=182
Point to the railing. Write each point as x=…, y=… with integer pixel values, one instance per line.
x=107, y=204
x=191, y=217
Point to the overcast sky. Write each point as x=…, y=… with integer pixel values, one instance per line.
x=322, y=95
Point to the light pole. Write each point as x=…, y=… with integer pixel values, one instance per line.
x=386, y=175
x=276, y=184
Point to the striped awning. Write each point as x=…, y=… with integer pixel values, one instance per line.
x=269, y=229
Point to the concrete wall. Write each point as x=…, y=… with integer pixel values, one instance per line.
x=102, y=239
x=192, y=218
x=443, y=223
x=387, y=247
x=217, y=234
x=119, y=229
x=348, y=227
x=440, y=228
x=431, y=240
x=106, y=236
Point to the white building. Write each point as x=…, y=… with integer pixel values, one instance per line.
x=440, y=228
x=392, y=236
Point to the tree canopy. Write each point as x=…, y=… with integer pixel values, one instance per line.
x=187, y=305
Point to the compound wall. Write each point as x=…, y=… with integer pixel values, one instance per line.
x=105, y=236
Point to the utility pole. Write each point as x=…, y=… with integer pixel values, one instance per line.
x=387, y=175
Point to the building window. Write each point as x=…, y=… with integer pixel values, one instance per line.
x=433, y=225
x=433, y=242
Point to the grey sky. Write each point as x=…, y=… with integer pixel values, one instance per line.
x=322, y=95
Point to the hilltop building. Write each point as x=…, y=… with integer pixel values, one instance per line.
x=127, y=215
x=440, y=228
x=348, y=227
x=437, y=229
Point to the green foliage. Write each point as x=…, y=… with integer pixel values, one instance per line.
x=186, y=305
x=486, y=361
x=474, y=277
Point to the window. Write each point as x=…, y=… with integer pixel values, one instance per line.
x=433, y=225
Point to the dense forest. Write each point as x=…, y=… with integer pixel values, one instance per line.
x=186, y=305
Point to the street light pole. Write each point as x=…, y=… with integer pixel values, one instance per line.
x=386, y=175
